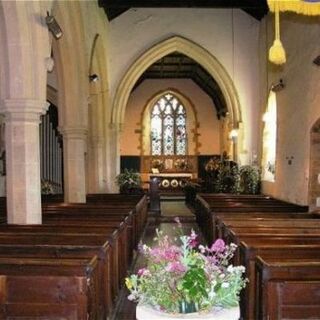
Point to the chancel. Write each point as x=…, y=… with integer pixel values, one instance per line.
x=124, y=120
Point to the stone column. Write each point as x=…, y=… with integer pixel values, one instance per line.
x=113, y=156
x=96, y=181
x=74, y=149
x=22, y=118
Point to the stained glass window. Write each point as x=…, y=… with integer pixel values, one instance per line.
x=168, y=127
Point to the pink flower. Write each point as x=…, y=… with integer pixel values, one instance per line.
x=171, y=253
x=218, y=246
x=176, y=267
x=143, y=272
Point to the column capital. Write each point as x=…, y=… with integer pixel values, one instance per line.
x=28, y=110
x=74, y=132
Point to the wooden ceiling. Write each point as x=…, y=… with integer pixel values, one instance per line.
x=179, y=66
x=113, y=8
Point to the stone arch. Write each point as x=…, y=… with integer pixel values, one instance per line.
x=69, y=53
x=190, y=49
x=192, y=120
x=314, y=170
x=98, y=96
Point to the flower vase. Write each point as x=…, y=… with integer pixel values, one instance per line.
x=187, y=307
x=144, y=312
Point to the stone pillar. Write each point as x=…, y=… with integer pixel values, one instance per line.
x=74, y=149
x=96, y=182
x=22, y=118
x=113, y=156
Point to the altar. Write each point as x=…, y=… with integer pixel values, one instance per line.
x=172, y=181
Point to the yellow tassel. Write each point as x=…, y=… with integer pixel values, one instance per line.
x=277, y=54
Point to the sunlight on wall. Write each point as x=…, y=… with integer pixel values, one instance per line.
x=269, y=139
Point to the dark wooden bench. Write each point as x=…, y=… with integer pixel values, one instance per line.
x=288, y=288
x=49, y=288
x=250, y=249
x=90, y=210
x=94, y=242
x=265, y=224
x=216, y=219
x=206, y=210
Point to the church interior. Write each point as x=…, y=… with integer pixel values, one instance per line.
x=120, y=118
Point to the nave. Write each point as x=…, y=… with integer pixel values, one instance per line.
x=126, y=310
x=74, y=265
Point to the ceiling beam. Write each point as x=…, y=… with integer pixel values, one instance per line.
x=243, y=4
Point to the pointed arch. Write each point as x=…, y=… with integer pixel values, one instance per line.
x=190, y=49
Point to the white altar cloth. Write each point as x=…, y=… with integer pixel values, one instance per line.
x=147, y=313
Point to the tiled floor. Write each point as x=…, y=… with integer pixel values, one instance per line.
x=125, y=309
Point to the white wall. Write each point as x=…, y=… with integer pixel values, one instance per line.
x=209, y=134
x=135, y=31
x=298, y=105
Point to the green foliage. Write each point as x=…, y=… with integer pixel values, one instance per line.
x=187, y=277
x=249, y=180
x=128, y=179
x=228, y=178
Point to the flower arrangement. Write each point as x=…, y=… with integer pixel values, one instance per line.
x=182, y=164
x=128, y=180
x=157, y=164
x=182, y=276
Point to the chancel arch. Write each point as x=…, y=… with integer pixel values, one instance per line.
x=164, y=48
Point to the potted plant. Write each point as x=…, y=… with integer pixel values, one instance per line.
x=249, y=179
x=182, y=277
x=129, y=181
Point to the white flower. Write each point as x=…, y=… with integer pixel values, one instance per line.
x=225, y=285
x=230, y=268
x=222, y=275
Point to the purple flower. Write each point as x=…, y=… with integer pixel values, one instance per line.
x=176, y=267
x=218, y=246
x=192, y=240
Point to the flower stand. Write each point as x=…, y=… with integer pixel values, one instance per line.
x=144, y=312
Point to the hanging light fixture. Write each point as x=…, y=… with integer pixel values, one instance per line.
x=53, y=26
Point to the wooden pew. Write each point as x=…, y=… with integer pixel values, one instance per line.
x=251, y=248
x=115, y=237
x=96, y=243
x=288, y=288
x=49, y=288
x=89, y=210
x=225, y=225
x=216, y=219
x=206, y=210
x=123, y=224
x=102, y=252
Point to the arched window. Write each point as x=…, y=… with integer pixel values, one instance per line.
x=168, y=127
x=269, y=139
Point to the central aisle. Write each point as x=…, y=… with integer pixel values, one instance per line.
x=125, y=309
